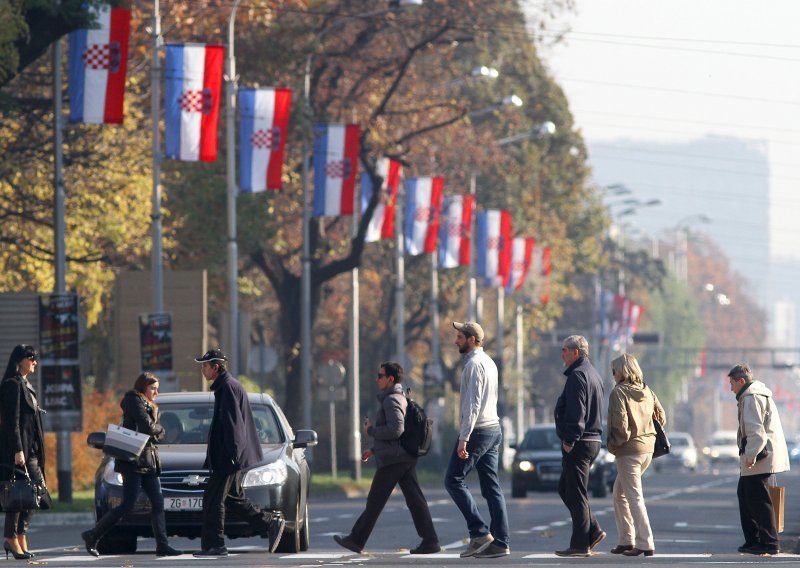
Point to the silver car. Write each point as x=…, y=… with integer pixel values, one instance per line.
x=682, y=454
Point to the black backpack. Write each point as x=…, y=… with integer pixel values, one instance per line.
x=417, y=429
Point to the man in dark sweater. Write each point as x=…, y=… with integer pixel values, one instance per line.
x=233, y=447
x=579, y=424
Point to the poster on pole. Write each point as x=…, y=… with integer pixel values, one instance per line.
x=60, y=392
x=155, y=341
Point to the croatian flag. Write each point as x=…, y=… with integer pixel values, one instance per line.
x=521, y=258
x=193, y=80
x=493, y=243
x=263, y=124
x=454, y=234
x=423, y=207
x=335, y=168
x=547, y=269
x=381, y=226
x=98, y=62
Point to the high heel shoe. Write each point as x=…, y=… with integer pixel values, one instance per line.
x=17, y=555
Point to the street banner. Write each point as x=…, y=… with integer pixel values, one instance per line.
x=60, y=393
x=455, y=231
x=263, y=126
x=381, y=226
x=521, y=258
x=493, y=246
x=155, y=341
x=335, y=168
x=98, y=63
x=193, y=82
x=423, y=208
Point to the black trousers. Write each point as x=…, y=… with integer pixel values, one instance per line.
x=131, y=483
x=755, y=510
x=383, y=483
x=573, y=490
x=225, y=490
x=17, y=523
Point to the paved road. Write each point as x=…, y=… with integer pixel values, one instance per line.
x=694, y=518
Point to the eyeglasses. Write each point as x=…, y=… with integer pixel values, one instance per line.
x=381, y=376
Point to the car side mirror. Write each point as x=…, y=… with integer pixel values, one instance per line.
x=305, y=438
x=96, y=440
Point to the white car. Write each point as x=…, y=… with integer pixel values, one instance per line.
x=682, y=453
x=721, y=447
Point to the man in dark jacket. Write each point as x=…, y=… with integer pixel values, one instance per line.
x=395, y=466
x=579, y=424
x=233, y=447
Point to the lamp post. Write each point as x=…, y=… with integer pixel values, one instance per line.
x=682, y=244
x=155, y=112
x=305, y=279
x=231, y=88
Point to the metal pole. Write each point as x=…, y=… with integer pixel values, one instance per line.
x=399, y=282
x=155, y=112
x=230, y=166
x=501, y=295
x=520, y=381
x=473, y=281
x=332, y=416
x=435, y=370
x=305, y=281
x=63, y=439
x=355, y=372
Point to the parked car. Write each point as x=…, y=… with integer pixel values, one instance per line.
x=682, y=453
x=721, y=448
x=537, y=465
x=279, y=483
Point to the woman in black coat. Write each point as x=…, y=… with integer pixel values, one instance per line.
x=139, y=413
x=21, y=440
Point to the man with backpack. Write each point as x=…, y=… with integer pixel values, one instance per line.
x=395, y=466
x=478, y=447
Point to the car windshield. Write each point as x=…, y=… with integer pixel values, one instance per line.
x=541, y=439
x=189, y=423
x=723, y=441
x=679, y=441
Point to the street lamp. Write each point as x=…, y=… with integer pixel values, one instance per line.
x=682, y=244
x=305, y=281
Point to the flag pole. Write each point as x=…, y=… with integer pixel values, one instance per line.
x=155, y=112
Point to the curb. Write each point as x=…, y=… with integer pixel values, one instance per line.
x=62, y=519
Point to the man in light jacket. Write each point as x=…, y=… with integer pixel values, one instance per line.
x=762, y=452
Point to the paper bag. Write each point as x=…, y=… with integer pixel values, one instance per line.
x=776, y=493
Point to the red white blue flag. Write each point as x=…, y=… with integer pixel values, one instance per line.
x=335, y=168
x=521, y=258
x=423, y=207
x=98, y=62
x=263, y=124
x=493, y=244
x=454, y=234
x=193, y=81
x=381, y=226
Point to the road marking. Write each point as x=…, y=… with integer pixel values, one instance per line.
x=441, y=520
x=436, y=555
x=685, y=525
x=345, y=516
x=316, y=556
x=76, y=558
x=456, y=544
x=320, y=519
x=553, y=555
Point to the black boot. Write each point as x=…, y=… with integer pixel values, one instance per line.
x=159, y=522
x=90, y=541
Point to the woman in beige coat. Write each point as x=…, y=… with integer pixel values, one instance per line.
x=631, y=438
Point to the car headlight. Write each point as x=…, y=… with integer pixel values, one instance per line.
x=706, y=450
x=272, y=474
x=110, y=476
x=525, y=465
x=714, y=453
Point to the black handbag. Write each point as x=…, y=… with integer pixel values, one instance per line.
x=662, y=446
x=18, y=493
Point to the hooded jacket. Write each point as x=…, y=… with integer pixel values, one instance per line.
x=630, y=419
x=760, y=429
x=388, y=426
x=139, y=415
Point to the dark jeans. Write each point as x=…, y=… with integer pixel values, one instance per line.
x=17, y=523
x=483, y=448
x=384, y=481
x=755, y=510
x=225, y=490
x=131, y=483
x=572, y=487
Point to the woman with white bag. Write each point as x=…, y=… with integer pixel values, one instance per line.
x=139, y=413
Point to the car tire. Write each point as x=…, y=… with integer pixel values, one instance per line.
x=290, y=541
x=305, y=534
x=117, y=542
x=599, y=490
x=518, y=490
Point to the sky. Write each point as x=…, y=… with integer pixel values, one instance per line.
x=681, y=70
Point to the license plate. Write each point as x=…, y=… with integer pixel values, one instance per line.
x=184, y=503
x=550, y=476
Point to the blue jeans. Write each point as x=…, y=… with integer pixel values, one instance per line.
x=483, y=448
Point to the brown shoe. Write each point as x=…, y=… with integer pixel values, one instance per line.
x=638, y=551
x=620, y=548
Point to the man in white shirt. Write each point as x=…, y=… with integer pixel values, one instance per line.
x=478, y=446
